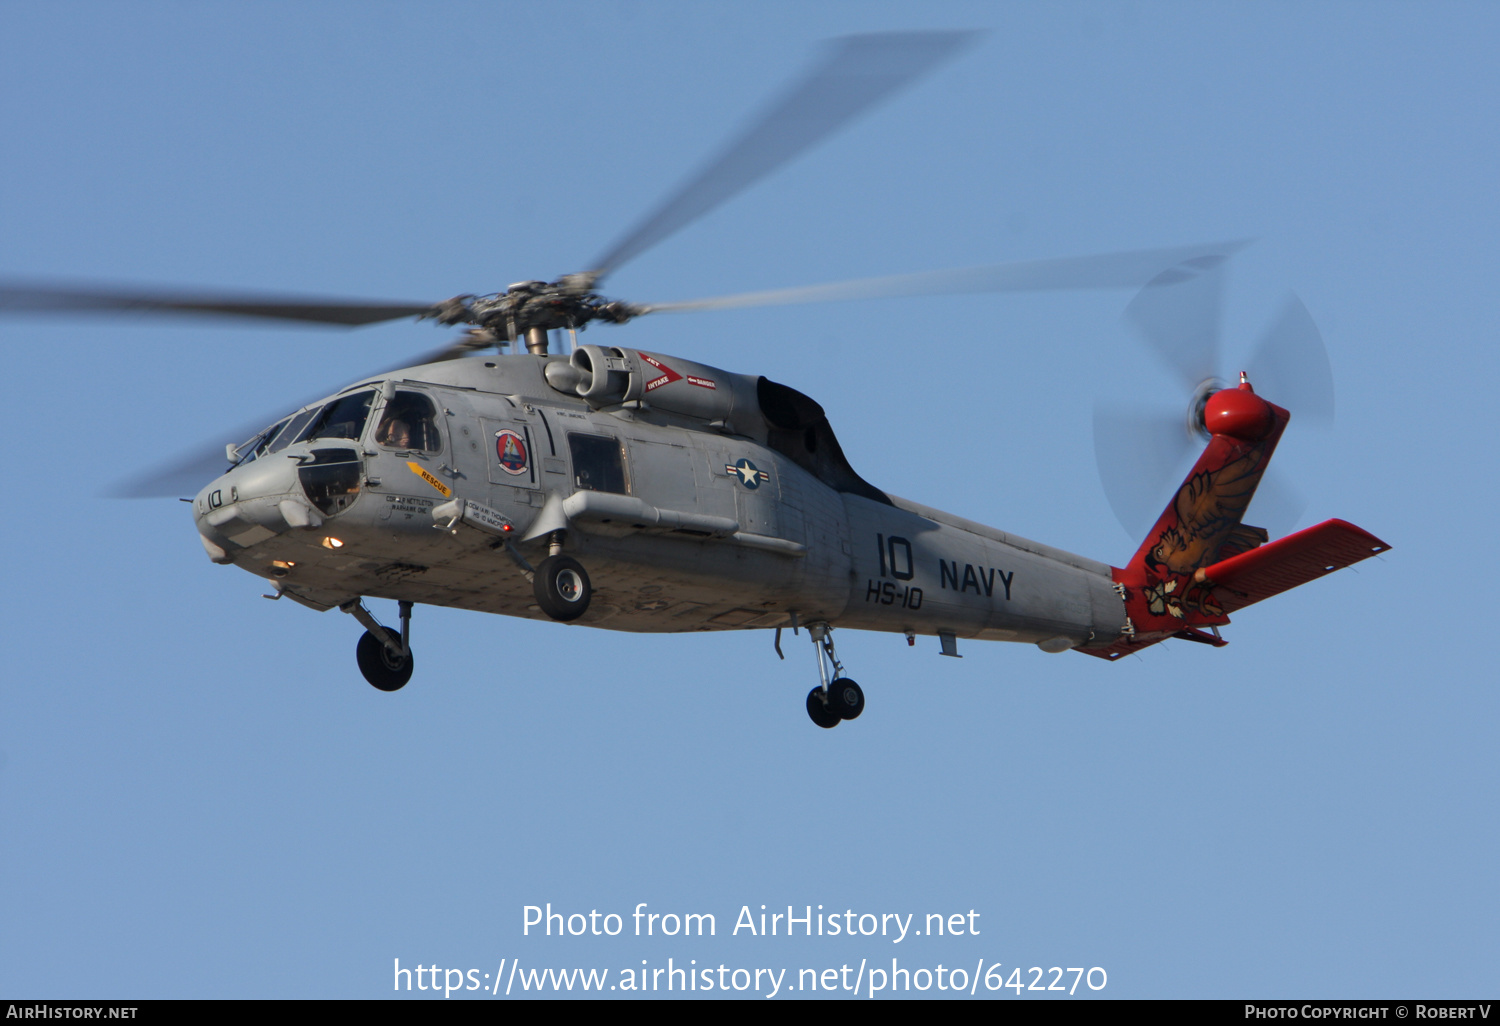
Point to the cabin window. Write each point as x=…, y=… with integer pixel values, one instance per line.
x=409, y=422
x=598, y=464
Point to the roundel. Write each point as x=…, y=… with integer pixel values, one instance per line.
x=511, y=449
x=748, y=473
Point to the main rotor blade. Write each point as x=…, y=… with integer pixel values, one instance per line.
x=1131, y=269
x=1142, y=454
x=1290, y=366
x=854, y=74
x=1177, y=314
x=33, y=298
x=190, y=471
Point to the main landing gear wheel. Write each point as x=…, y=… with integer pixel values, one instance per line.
x=846, y=699
x=841, y=699
x=820, y=710
x=562, y=588
x=382, y=668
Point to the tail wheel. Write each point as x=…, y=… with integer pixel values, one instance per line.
x=562, y=588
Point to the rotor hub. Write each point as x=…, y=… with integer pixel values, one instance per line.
x=1197, y=420
x=530, y=306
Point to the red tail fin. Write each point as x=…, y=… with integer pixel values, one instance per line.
x=1204, y=515
x=1201, y=525
x=1200, y=563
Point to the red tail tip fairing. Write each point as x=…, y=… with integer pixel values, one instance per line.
x=1240, y=413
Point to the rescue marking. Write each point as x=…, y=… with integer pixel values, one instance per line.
x=420, y=471
x=511, y=449
x=749, y=474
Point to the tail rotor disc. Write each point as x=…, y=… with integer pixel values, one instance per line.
x=1143, y=448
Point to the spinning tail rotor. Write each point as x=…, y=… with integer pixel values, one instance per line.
x=1143, y=448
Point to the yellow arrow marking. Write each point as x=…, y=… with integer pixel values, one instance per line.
x=420, y=471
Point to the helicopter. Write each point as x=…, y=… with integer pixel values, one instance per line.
x=519, y=472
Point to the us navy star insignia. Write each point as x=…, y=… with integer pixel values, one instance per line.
x=749, y=474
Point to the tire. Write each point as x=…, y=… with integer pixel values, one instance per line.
x=562, y=588
x=819, y=712
x=381, y=669
x=846, y=699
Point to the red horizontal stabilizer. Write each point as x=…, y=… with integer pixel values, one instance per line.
x=1273, y=568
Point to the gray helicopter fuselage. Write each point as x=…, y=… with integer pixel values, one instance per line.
x=697, y=500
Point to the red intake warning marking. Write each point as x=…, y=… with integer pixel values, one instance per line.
x=701, y=382
x=420, y=471
x=668, y=375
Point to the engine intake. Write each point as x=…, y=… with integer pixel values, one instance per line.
x=607, y=376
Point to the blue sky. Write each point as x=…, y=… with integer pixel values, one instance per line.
x=199, y=796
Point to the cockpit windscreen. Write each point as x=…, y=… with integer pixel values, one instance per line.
x=342, y=418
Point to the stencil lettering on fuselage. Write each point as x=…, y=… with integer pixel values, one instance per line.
x=895, y=562
x=898, y=564
x=405, y=507
x=981, y=579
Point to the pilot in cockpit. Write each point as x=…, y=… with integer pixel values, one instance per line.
x=409, y=423
x=394, y=432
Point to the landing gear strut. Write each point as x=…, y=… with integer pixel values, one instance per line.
x=841, y=699
x=384, y=656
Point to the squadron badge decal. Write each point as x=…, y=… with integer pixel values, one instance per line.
x=749, y=474
x=511, y=448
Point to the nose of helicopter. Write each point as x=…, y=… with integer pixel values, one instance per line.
x=250, y=503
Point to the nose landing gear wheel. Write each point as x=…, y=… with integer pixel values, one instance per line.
x=821, y=711
x=562, y=588
x=846, y=699
x=381, y=668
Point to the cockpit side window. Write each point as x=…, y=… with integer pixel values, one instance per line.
x=342, y=418
x=409, y=422
x=264, y=445
x=258, y=445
